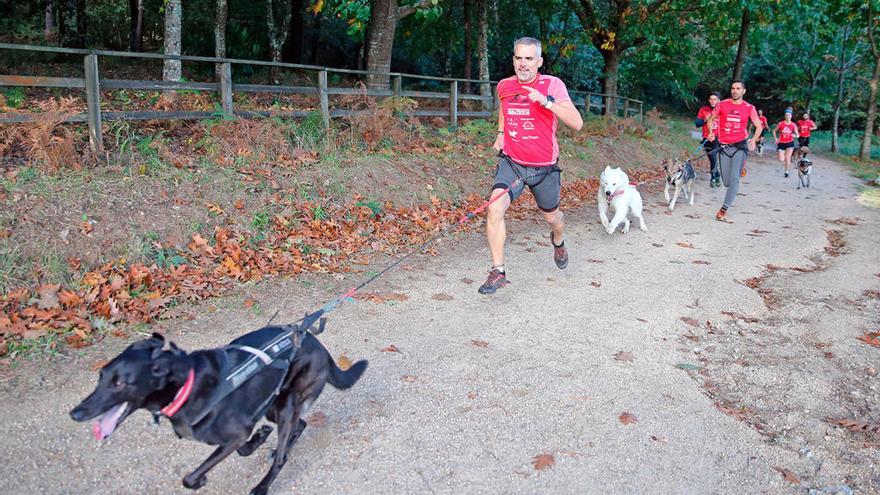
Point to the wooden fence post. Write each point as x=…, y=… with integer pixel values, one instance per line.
x=322, y=96
x=625, y=107
x=453, y=103
x=398, y=86
x=641, y=115
x=226, y=90
x=93, y=100
x=491, y=105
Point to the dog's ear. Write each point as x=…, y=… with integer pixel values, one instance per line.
x=167, y=346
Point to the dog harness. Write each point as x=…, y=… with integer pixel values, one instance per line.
x=685, y=174
x=277, y=349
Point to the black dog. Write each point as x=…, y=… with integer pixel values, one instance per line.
x=217, y=396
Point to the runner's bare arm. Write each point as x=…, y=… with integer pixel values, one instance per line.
x=564, y=110
x=758, y=128
x=499, y=138
x=709, y=120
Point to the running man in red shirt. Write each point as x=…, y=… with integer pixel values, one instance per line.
x=711, y=147
x=531, y=105
x=765, y=127
x=805, y=127
x=788, y=131
x=733, y=116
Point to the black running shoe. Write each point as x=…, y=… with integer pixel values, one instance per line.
x=495, y=281
x=560, y=254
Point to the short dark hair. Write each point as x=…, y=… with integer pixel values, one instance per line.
x=739, y=81
x=715, y=94
x=528, y=41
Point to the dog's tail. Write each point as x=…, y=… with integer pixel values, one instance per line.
x=345, y=379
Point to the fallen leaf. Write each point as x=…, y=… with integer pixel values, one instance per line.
x=655, y=438
x=343, y=362
x=480, y=343
x=871, y=338
x=701, y=262
x=215, y=208
x=472, y=395
x=737, y=316
x=591, y=260
x=690, y=321
x=687, y=366
x=685, y=245
x=467, y=281
x=441, y=297
x=829, y=355
x=239, y=204
x=408, y=378
x=317, y=419
x=656, y=244
x=381, y=298
x=543, y=461
x=856, y=426
x=628, y=418
x=391, y=348
x=48, y=296
x=97, y=365
x=623, y=356
x=596, y=283
x=788, y=475
x=641, y=320
x=249, y=303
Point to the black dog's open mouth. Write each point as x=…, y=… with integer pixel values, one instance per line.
x=109, y=421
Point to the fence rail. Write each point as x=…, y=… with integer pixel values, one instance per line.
x=93, y=84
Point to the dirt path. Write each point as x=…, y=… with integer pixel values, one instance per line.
x=482, y=385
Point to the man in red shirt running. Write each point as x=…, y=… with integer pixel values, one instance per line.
x=733, y=115
x=788, y=131
x=765, y=126
x=711, y=147
x=531, y=105
x=805, y=127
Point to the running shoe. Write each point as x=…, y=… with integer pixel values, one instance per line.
x=721, y=216
x=495, y=281
x=786, y=175
x=560, y=254
x=743, y=173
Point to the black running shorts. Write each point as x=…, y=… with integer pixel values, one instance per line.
x=544, y=182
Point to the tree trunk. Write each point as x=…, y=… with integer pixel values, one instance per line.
x=294, y=47
x=865, y=152
x=381, y=29
x=838, y=96
x=49, y=17
x=741, y=49
x=609, y=80
x=277, y=33
x=483, y=48
x=172, y=69
x=468, y=47
x=136, y=25
x=72, y=23
x=220, y=17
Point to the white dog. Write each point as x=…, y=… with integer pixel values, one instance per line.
x=616, y=191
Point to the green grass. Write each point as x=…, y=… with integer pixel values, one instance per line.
x=849, y=142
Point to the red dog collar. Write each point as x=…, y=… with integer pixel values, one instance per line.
x=181, y=397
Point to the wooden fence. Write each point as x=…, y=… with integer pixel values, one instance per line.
x=92, y=83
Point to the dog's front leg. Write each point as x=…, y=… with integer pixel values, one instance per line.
x=288, y=414
x=619, y=216
x=674, y=197
x=666, y=190
x=691, y=191
x=603, y=210
x=197, y=479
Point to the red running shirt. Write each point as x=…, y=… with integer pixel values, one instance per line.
x=733, y=125
x=786, y=131
x=704, y=114
x=529, y=128
x=764, y=124
x=805, y=126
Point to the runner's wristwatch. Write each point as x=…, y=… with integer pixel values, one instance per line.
x=550, y=101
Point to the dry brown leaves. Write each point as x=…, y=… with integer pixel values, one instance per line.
x=479, y=343
x=543, y=461
x=856, y=426
x=628, y=418
x=391, y=348
x=380, y=298
x=686, y=245
x=788, y=475
x=871, y=338
x=836, y=243
x=845, y=221
x=739, y=316
x=625, y=356
x=701, y=262
x=690, y=321
x=317, y=419
x=343, y=362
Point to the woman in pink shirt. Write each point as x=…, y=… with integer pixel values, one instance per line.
x=788, y=132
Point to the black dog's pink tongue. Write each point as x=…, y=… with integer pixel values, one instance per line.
x=102, y=428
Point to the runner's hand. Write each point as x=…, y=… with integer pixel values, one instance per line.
x=710, y=137
x=536, y=95
x=752, y=145
x=499, y=142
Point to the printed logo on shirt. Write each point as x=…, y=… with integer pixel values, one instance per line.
x=513, y=134
x=518, y=111
x=528, y=125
